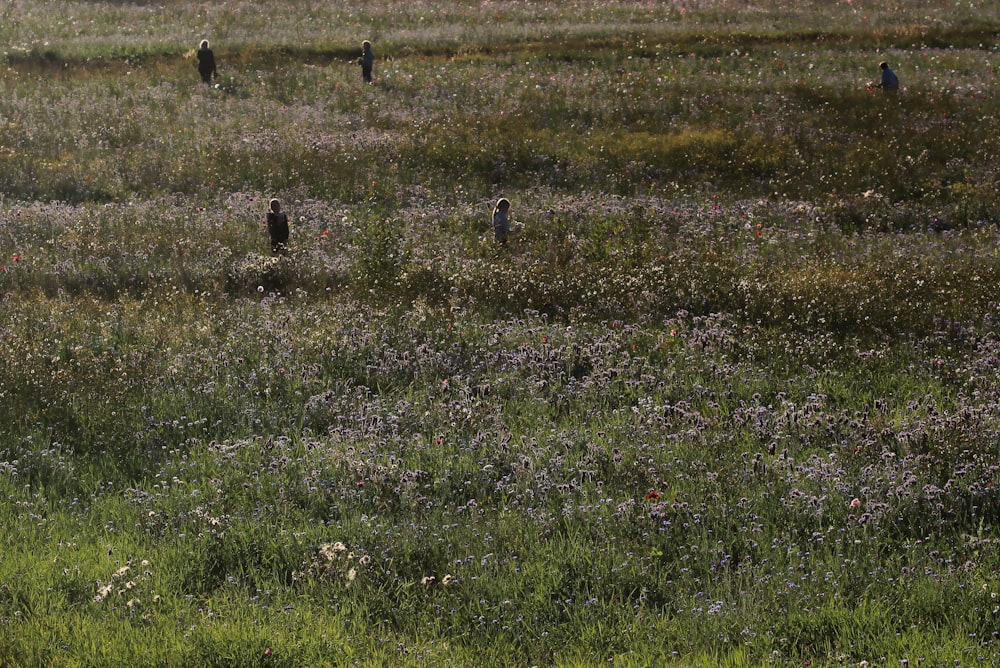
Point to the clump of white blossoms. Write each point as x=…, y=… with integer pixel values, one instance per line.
x=332, y=561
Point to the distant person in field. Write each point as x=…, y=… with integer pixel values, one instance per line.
x=277, y=227
x=367, y=61
x=206, y=63
x=889, y=81
x=503, y=228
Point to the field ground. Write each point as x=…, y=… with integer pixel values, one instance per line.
x=729, y=399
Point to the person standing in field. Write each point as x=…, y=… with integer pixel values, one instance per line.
x=502, y=227
x=889, y=82
x=277, y=228
x=206, y=63
x=367, y=61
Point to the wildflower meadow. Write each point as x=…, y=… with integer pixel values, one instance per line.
x=730, y=398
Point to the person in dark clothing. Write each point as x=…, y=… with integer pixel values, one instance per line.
x=889, y=81
x=206, y=63
x=367, y=60
x=277, y=227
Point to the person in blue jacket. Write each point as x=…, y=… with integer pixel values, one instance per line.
x=889, y=82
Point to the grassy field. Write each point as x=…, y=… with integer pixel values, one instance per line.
x=730, y=398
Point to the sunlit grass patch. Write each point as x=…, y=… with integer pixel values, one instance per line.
x=729, y=397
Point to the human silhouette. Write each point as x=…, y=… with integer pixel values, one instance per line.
x=502, y=226
x=367, y=60
x=206, y=63
x=889, y=82
x=277, y=228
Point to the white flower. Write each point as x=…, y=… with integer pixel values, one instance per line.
x=102, y=593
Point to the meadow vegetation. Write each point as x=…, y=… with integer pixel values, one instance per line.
x=729, y=399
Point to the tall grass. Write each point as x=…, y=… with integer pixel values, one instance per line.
x=782, y=123
x=728, y=399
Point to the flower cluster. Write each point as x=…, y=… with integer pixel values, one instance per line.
x=333, y=562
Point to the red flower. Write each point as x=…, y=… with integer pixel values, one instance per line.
x=652, y=495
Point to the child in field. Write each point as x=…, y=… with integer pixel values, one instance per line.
x=277, y=227
x=367, y=60
x=206, y=63
x=889, y=82
x=502, y=226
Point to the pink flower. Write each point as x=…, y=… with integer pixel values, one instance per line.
x=855, y=502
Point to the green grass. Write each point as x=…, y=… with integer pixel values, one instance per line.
x=728, y=399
